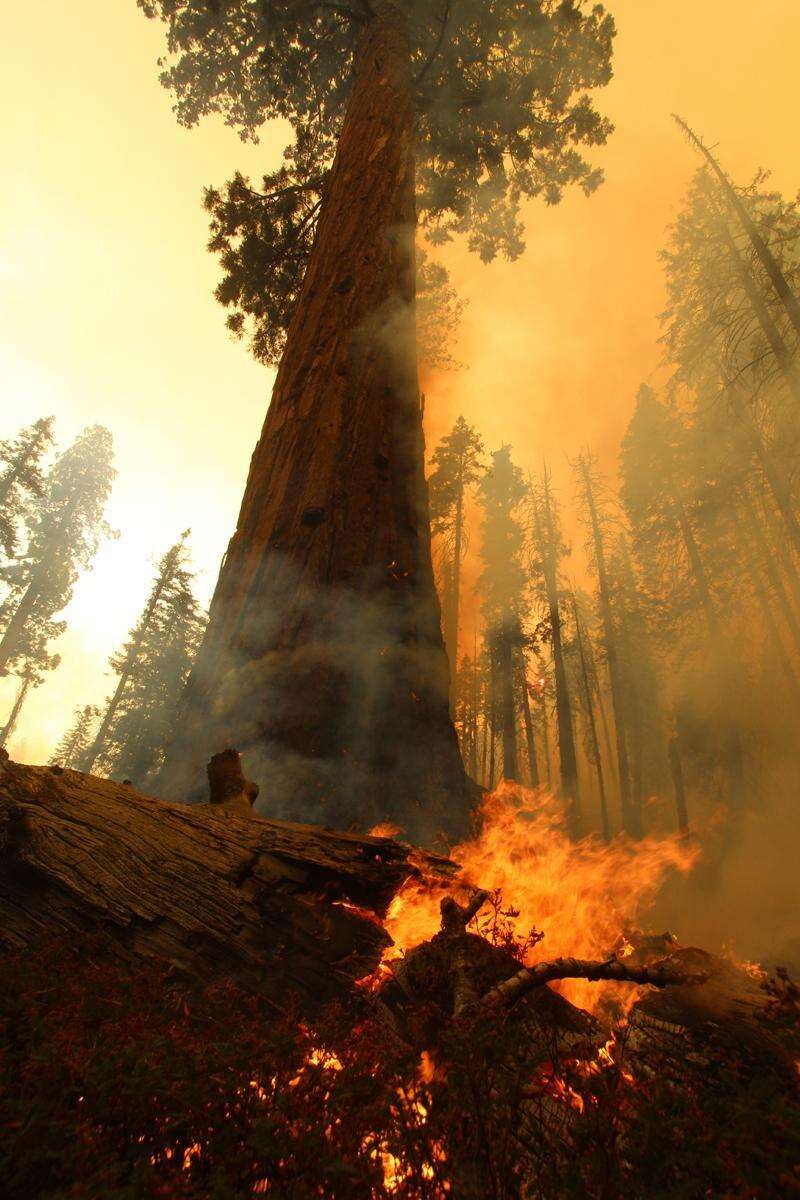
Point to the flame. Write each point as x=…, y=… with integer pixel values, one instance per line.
x=582, y=895
x=385, y=829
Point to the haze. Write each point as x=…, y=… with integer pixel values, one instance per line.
x=108, y=312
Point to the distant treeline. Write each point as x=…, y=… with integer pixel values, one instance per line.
x=51, y=524
x=677, y=674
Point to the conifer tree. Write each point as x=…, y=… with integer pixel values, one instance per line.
x=65, y=529
x=72, y=748
x=21, y=478
x=457, y=466
x=501, y=586
x=760, y=245
x=152, y=667
x=33, y=663
x=458, y=113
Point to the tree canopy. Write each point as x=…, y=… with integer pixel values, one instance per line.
x=503, y=115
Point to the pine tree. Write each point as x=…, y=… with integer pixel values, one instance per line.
x=152, y=667
x=501, y=586
x=71, y=749
x=65, y=529
x=760, y=245
x=457, y=466
x=547, y=551
x=33, y=663
x=21, y=479
x=324, y=661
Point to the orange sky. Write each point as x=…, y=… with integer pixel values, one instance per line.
x=105, y=284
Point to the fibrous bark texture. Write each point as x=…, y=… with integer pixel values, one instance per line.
x=285, y=909
x=323, y=661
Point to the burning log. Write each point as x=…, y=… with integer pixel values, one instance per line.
x=278, y=907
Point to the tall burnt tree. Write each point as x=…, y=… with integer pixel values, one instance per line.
x=547, y=550
x=21, y=478
x=457, y=466
x=501, y=587
x=64, y=532
x=324, y=659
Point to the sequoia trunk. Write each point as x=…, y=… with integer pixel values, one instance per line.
x=323, y=658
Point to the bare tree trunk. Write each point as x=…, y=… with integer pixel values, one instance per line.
x=725, y=665
x=595, y=744
x=631, y=816
x=492, y=714
x=473, y=747
x=507, y=706
x=533, y=768
x=676, y=770
x=19, y=700
x=11, y=639
x=566, y=737
x=454, y=594
x=324, y=659
x=744, y=532
x=757, y=539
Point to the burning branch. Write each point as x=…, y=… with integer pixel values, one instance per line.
x=661, y=974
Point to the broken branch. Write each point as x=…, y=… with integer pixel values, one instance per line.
x=661, y=974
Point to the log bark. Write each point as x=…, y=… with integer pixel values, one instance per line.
x=285, y=909
x=323, y=660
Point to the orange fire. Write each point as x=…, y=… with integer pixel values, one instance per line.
x=582, y=895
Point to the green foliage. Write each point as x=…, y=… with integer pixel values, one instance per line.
x=503, y=110
x=64, y=530
x=155, y=664
x=72, y=748
x=21, y=480
x=457, y=464
x=502, y=582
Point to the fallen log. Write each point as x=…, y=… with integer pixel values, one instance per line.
x=283, y=908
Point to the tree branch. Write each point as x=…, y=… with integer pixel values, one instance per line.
x=660, y=974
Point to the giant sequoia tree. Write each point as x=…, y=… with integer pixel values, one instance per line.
x=324, y=659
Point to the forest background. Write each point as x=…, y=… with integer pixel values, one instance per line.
x=108, y=312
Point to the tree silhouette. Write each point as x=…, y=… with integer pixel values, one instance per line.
x=72, y=748
x=65, y=529
x=21, y=479
x=457, y=465
x=153, y=666
x=501, y=586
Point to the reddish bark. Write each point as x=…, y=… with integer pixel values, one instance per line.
x=324, y=659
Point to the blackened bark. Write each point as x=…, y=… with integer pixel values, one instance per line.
x=323, y=660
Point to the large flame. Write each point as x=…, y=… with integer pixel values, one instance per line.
x=583, y=896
